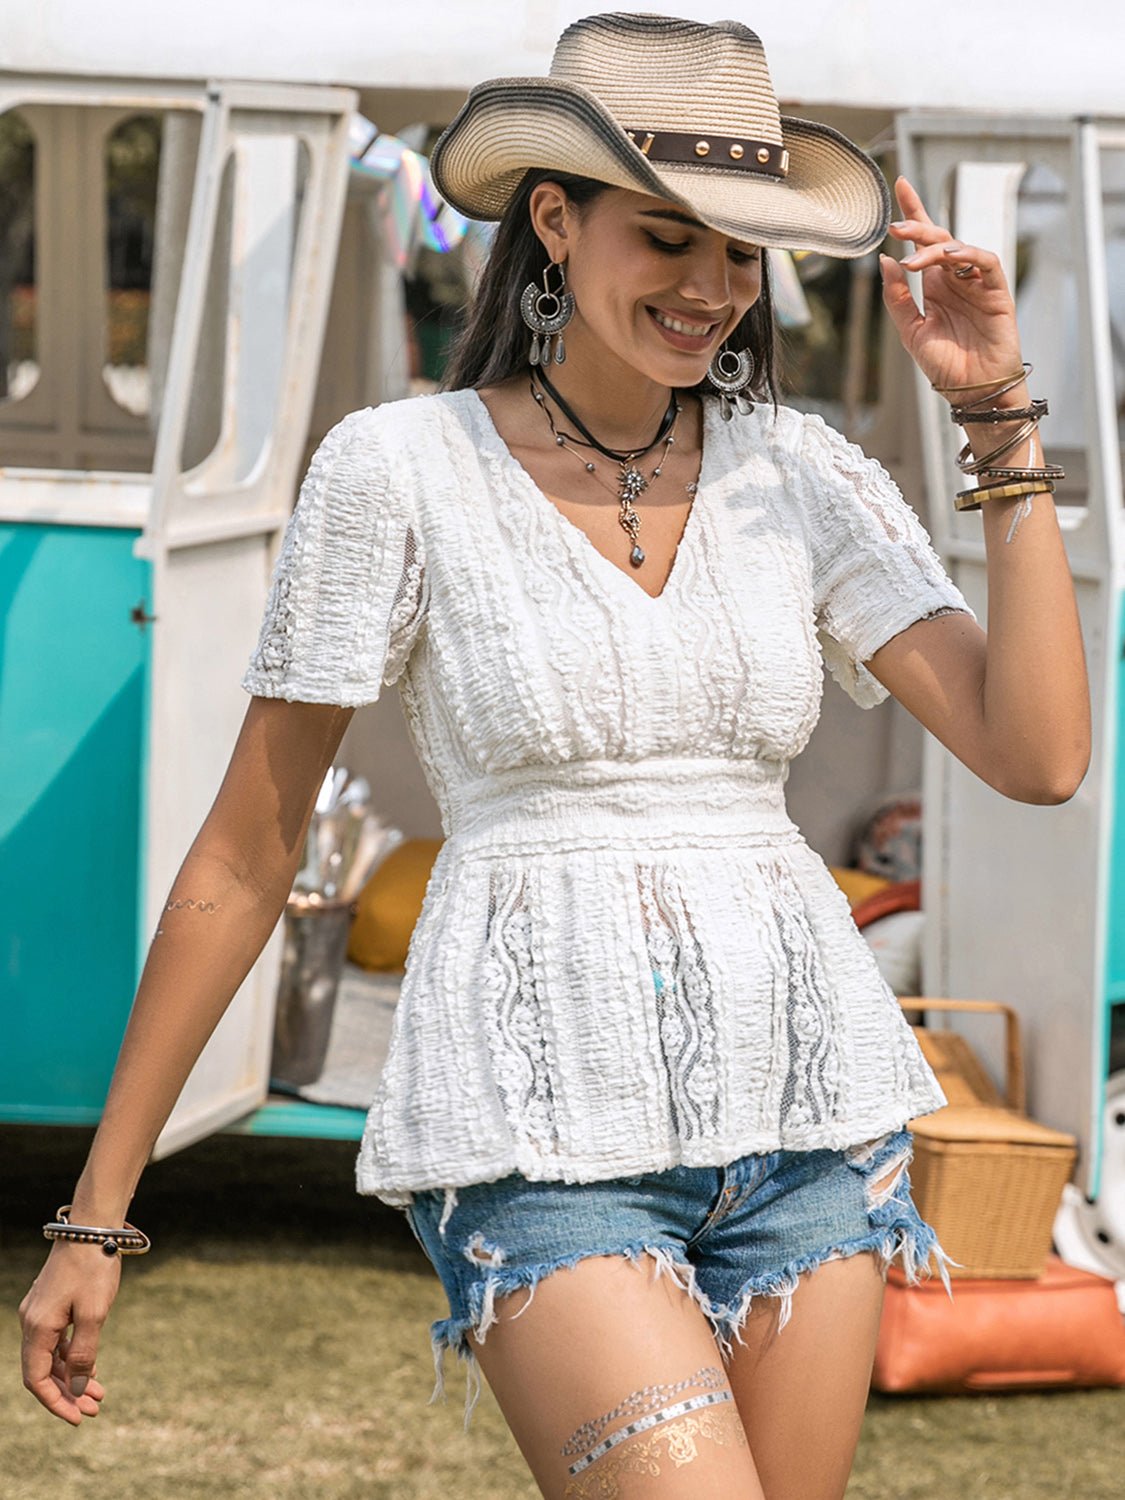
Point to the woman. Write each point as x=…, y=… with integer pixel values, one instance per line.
x=639, y=1031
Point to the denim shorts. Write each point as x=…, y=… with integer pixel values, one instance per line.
x=725, y=1234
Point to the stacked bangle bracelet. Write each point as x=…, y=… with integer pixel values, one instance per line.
x=1042, y=471
x=128, y=1240
x=971, y=499
x=970, y=465
x=964, y=415
x=1002, y=481
x=1013, y=379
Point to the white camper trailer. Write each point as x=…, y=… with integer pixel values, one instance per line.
x=139, y=522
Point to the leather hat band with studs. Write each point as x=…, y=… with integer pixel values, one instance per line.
x=735, y=153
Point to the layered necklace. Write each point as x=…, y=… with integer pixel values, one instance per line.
x=630, y=481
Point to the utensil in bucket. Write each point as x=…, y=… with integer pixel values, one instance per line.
x=316, y=942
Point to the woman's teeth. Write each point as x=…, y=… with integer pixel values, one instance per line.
x=695, y=330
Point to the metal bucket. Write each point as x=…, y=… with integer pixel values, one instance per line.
x=316, y=945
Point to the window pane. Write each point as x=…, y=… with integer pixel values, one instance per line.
x=19, y=367
x=131, y=168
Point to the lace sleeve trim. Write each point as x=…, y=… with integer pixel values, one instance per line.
x=875, y=568
x=408, y=609
x=348, y=594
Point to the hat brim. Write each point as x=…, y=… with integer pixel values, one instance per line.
x=834, y=199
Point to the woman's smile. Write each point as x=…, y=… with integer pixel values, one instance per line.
x=680, y=333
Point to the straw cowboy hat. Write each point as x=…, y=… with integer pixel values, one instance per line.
x=676, y=109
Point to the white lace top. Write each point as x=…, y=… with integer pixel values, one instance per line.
x=628, y=957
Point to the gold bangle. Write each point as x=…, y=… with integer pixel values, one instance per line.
x=971, y=499
x=970, y=465
x=991, y=395
x=1024, y=370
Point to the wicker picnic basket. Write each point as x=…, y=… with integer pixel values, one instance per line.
x=985, y=1176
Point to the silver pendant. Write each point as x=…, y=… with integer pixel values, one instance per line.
x=632, y=481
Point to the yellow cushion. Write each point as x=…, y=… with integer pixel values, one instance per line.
x=857, y=885
x=389, y=904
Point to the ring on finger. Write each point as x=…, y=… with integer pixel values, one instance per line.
x=963, y=271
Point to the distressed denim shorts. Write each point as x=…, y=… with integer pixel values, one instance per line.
x=725, y=1234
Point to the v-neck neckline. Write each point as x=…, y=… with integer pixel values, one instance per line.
x=580, y=543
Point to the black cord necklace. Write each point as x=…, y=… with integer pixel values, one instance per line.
x=618, y=456
x=631, y=482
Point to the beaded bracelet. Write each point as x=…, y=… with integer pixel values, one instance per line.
x=971, y=499
x=1041, y=471
x=128, y=1240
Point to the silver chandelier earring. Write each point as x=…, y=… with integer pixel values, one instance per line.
x=547, y=313
x=730, y=372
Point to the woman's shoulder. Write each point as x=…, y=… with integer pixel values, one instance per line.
x=768, y=434
x=780, y=426
x=804, y=441
x=763, y=426
x=395, y=423
x=397, y=443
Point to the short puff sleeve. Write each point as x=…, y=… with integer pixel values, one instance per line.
x=874, y=568
x=347, y=598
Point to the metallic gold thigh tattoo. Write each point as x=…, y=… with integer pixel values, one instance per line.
x=710, y=1377
x=675, y=1438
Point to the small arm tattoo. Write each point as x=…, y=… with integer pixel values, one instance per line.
x=190, y=902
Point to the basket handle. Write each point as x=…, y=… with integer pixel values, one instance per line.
x=1015, y=1090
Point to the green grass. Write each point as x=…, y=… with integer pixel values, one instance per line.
x=275, y=1344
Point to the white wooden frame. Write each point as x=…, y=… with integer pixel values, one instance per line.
x=1017, y=896
x=212, y=532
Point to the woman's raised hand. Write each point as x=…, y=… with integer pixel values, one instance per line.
x=967, y=333
x=75, y=1288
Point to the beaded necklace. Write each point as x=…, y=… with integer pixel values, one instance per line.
x=630, y=481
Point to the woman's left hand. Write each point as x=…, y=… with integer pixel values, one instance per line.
x=968, y=332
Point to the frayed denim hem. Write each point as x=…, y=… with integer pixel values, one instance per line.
x=915, y=1242
x=897, y=1231
x=452, y=1333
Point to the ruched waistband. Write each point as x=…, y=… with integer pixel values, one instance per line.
x=651, y=803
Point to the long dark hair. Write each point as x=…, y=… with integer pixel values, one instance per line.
x=492, y=344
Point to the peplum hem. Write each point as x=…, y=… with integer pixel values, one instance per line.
x=666, y=978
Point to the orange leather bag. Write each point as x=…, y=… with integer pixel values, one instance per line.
x=1065, y=1329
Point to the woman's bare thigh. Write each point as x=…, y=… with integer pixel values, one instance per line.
x=802, y=1392
x=611, y=1360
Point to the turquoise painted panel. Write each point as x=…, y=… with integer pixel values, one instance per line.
x=1115, y=976
x=1114, y=989
x=299, y=1117
x=73, y=677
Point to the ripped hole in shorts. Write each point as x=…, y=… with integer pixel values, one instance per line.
x=895, y=1231
x=481, y=1252
x=882, y=1176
